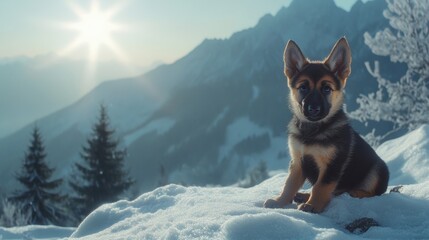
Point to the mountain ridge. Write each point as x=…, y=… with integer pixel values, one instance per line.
x=169, y=112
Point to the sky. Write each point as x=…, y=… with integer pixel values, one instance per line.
x=70, y=47
x=147, y=32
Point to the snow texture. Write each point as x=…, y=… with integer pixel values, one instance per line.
x=177, y=212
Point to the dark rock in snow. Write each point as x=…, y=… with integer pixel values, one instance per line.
x=396, y=189
x=361, y=225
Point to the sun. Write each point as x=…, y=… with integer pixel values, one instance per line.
x=94, y=28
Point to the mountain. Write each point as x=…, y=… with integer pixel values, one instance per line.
x=33, y=87
x=215, y=113
x=177, y=212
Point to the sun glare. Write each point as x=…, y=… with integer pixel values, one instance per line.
x=94, y=28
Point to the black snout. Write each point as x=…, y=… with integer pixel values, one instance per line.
x=314, y=106
x=313, y=110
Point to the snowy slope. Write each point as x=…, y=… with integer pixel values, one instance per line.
x=408, y=157
x=177, y=212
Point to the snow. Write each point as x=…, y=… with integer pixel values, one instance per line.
x=243, y=128
x=35, y=232
x=177, y=212
x=237, y=131
x=276, y=156
x=407, y=157
x=255, y=92
x=160, y=126
x=219, y=118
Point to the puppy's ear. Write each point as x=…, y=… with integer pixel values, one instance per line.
x=294, y=60
x=339, y=60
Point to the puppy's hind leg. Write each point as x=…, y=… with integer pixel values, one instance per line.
x=360, y=194
x=301, y=197
x=374, y=184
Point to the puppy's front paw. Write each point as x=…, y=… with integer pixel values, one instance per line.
x=272, y=203
x=307, y=208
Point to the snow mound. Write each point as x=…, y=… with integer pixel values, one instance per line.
x=407, y=157
x=177, y=212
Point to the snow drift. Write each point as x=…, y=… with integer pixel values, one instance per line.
x=177, y=212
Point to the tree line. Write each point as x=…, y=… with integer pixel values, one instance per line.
x=98, y=178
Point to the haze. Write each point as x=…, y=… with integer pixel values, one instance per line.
x=44, y=67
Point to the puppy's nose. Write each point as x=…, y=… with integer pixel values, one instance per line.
x=313, y=110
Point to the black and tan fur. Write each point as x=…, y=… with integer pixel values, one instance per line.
x=324, y=149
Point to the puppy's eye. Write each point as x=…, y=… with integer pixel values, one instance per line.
x=326, y=89
x=303, y=89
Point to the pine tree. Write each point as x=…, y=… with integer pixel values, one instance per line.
x=39, y=200
x=101, y=178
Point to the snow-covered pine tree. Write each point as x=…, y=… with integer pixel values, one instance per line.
x=405, y=103
x=40, y=199
x=100, y=177
x=12, y=215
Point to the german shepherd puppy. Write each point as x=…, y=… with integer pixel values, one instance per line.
x=324, y=149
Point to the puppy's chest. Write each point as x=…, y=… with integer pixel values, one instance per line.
x=317, y=154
